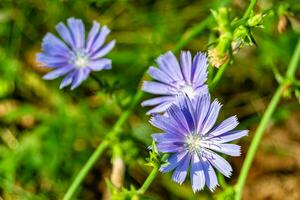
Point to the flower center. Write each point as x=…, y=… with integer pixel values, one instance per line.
x=188, y=90
x=81, y=59
x=193, y=143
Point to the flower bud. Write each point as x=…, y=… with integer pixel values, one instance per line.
x=282, y=24
x=217, y=58
x=255, y=20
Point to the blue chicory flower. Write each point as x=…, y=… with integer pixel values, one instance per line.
x=174, y=79
x=74, y=55
x=192, y=140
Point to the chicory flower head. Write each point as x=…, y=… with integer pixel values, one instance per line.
x=192, y=140
x=74, y=55
x=175, y=79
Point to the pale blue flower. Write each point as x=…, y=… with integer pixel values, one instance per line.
x=192, y=139
x=174, y=79
x=73, y=54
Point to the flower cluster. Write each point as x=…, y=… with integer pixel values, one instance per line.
x=183, y=109
x=187, y=118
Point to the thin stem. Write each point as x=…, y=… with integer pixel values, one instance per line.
x=265, y=121
x=123, y=118
x=294, y=63
x=99, y=81
x=218, y=76
x=221, y=180
x=249, y=9
x=149, y=180
x=246, y=15
x=190, y=34
x=86, y=168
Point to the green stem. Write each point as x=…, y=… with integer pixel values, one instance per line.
x=149, y=180
x=290, y=74
x=194, y=31
x=218, y=76
x=86, y=168
x=249, y=9
x=99, y=81
x=246, y=15
x=221, y=180
x=265, y=121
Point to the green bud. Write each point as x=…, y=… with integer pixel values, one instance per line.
x=255, y=20
x=240, y=32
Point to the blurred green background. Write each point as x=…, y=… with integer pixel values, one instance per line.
x=47, y=134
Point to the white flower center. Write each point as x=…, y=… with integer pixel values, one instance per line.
x=80, y=59
x=188, y=90
x=81, y=62
x=193, y=143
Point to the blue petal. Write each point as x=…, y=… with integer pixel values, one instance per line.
x=52, y=61
x=97, y=65
x=186, y=65
x=176, y=114
x=67, y=80
x=80, y=76
x=201, y=90
x=159, y=75
x=58, y=72
x=229, y=136
x=92, y=36
x=229, y=149
x=156, y=88
x=104, y=50
x=65, y=34
x=219, y=163
x=158, y=100
x=169, y=147
x=99, y=40
x=167, y=125
x=199, y=69
x=77, y=30
x=211, y=117
x=173, y=161
x=225, y=126
x=202, y=107
x=169, y=64
x=181, y=171
x=210, y=175
x=187, y=110
x=167, y=138
x=160, y=108
x=54, y=46
x=197, y=174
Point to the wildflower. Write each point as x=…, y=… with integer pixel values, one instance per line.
x=192, y=140
x=174, y=79
x=74, y=55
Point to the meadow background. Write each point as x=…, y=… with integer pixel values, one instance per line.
x=47, y=134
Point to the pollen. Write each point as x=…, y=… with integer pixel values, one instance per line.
x=193, y=143
x=188, y=90
x=81, y=60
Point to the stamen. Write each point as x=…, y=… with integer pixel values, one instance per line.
x=80, y=59
x=193, y=143
x=188, y=90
